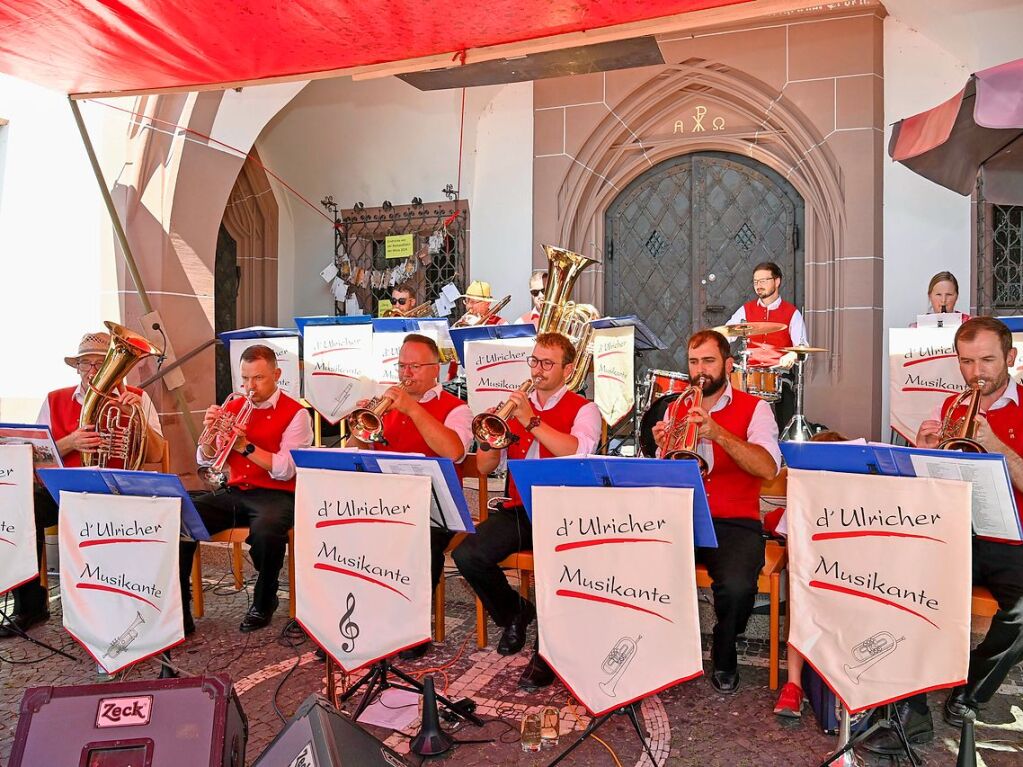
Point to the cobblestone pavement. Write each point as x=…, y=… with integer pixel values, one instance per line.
x=688, y=725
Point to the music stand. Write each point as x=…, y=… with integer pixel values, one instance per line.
x=459, y=336
x=601, y=471
x=376, y=679
x=645, y=341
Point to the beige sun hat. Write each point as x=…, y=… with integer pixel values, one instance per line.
x=91, y=344
x=478, y=291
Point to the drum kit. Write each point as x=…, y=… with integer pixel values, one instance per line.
x=660, y=387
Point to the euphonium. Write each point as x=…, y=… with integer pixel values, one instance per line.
x=869, y=652
x=471, y=319
x=221, y=436
x=366, y=424
x=682, y=435
x=616, y=662
x=122, y=430
x=960, y=433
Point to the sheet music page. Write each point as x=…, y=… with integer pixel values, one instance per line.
x=994, y=514
x=447, y=510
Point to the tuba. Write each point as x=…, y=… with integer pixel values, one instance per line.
x=681, y=436
x=366, y=424
x=122, y=430
x=960, y=433
x=221, y=436
x=557, y=315
x=471, y=319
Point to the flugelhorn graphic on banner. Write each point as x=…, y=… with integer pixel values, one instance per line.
x=869, y=652
x=617, y=660
x=129, y=635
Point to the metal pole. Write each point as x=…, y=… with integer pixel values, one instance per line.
x=129, y=259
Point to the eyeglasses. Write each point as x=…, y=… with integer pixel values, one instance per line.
x=399, y=301
x=535, y=293
x=764, y=281
x=413, y=367
x=85, y=367
x=544, y=364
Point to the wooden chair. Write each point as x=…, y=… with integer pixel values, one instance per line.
x=983, y=604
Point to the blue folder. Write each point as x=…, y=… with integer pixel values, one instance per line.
x=459, y=336
x=244, y=334
x=367, y=460
x=122, y=482
x=645, y=339
x=1015, y=324
x=617, y=472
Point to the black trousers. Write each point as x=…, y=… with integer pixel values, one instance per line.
x=734, y=567
x=785, y=408
x=503, y=533
x=999, y=567
x=31, y=597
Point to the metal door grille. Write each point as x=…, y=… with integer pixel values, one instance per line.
x=999, y=288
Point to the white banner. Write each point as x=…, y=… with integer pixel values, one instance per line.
x=613, y=376
x=362, y=562
x=923, y=370
x=880, y=582
x=338, y=360
x=18, y=561
x=616, y=591
x=286, y=349
x=494, y=369
x=119, y=585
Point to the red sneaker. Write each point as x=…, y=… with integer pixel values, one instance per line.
x=790, y=701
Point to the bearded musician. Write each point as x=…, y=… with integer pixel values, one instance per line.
x=739, y=441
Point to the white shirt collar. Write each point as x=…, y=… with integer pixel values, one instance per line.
x=773, y=305
x=724, y=399
x=269, y=402
x=431, y=394
x=554, y=399
x=1011, y=394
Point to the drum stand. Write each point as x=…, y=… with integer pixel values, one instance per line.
x=797, y=429
x=631, y=711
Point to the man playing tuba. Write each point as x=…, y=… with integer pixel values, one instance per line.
x=61, y=411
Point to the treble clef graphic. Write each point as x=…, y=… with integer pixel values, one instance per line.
x=349, y=629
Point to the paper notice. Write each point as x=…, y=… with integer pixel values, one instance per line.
x=330, y=272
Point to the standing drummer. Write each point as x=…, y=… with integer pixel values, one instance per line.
x=766, y=349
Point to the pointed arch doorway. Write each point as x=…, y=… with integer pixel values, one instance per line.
x=682, y=240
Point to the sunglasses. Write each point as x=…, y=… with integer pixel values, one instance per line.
x=536, y=293
x=399, y=301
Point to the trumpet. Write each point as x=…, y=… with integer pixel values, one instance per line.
x=221, y=437
x=366, y=424
x=617, y=661
x=491, y=429
x=682, y=435
x=960, y=433
x=471, y=319
x=129, y=635
x=871, y=651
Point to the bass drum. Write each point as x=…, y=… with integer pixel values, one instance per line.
x=651, y=417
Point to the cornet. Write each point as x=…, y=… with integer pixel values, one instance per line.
x=617, y=661
x=220, y=436
x=682, y=435
x=366, y=424
x=960, y=433
x=871, y=651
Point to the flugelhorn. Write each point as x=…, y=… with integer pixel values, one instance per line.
x=960, y=433
x=870, y=651
x=129, y=635
x=682, y=435
x=471, y=319
x=123, y=430
x=491, y=430
x=220, y=436
x=366, y=424
x=617, y=661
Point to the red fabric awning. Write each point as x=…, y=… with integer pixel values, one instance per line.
x=90, y=46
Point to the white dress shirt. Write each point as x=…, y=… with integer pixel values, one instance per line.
x=298, y=434
x=762, y=430
x=458, y=420
x=78, y=395
x=797, y=327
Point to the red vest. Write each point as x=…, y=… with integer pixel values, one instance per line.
x=1007, y=424
x=561, y=417
x=402, y=435
x=757, y=313
x=265, y=429
x=65, y=414
x=731, y=492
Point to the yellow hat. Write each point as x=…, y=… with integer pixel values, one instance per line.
x=478, y=291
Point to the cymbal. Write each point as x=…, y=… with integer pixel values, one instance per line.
x=802, y=349
x=747, y=329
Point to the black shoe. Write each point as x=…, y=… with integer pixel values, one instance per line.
x=725, y=682
x=188, y=623
x=537, y=674
x=417, y=652
x=514, y=637
x=320, y=654
x=256, y=618
x=22, y=622
x=956, y=706
x=919, y=729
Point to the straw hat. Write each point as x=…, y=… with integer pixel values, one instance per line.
x=91, y=344
x=478, y=291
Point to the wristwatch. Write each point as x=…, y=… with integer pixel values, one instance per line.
x=249, y=449
x=533, y=423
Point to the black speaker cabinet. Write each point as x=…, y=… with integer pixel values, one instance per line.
x=319, y=736
x=160, y=723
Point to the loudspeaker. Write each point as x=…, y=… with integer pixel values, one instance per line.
x=319, y=736
x=163, y=723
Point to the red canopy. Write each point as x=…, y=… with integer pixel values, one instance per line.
x=90, y=46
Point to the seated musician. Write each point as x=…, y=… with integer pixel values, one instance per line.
x=537, y=284
x=550, y=422
x=942, y=295
x=403, y=299
x=423, y=418
x=62, y=410
x=478, y=300
x=984, y=347
x=739, y=440
x=260, y=490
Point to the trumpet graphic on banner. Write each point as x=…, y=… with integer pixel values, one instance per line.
x=617, y=661
x=122, y=642
x=871, y=651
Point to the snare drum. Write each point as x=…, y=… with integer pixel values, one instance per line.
x=764, y=383
x=661, y=382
